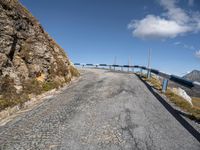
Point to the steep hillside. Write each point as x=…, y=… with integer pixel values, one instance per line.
x=194, y=75
x=30, y=60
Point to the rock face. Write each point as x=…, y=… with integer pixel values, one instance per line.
x=30, y=60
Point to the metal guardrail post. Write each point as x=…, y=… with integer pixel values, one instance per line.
x=133, y=69
x=148, y=74
x=164, y=85
x=110, y=67
x=121, y=68
x=140, y=71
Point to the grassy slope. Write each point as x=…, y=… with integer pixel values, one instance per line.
x=177, y=100
x=31, y=87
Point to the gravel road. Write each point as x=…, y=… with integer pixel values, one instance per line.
x=103, y=110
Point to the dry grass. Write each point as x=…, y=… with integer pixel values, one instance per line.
x=18, y=100
x=184, y=105
x=155, y=82
x=74, y=71
x=177, y=100
x=196, y=102
x=10, y=98
x=47, y=86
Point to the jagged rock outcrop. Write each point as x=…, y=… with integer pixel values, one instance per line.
x=30, y=60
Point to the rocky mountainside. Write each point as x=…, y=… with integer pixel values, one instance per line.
x=30, y=60
x=194, y=76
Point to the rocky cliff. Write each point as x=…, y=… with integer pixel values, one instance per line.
x=30, y=60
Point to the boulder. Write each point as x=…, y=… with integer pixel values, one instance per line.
x=180, y=92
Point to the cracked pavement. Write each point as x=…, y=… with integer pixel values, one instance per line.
x=104, y=110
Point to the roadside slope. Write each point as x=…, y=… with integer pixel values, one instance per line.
x=31, y=62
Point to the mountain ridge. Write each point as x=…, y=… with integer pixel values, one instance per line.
x=194, y=75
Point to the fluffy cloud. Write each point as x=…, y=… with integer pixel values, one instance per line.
x=197, y=54
x=154, y=27
x=173, y=22
x=173, y=12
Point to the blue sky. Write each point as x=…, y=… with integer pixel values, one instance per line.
x=95, y=31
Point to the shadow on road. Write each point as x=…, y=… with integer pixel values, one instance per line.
x=175, y=113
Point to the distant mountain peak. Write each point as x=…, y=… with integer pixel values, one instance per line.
x=192, y=71
x=194, y=75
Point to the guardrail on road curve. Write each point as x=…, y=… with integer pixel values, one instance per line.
x=166, y=77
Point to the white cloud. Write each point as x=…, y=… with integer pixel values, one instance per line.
x=186, y=46
x=173, y=12
x=154, y=27
x=188, y=72
x=196, y=21
x=197, y=54
x=172, y=23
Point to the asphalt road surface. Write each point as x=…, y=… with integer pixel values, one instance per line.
x=103, y=110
